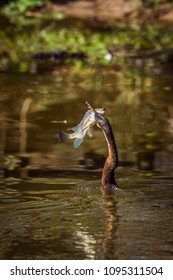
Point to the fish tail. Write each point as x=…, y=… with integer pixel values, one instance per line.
x=63, y=136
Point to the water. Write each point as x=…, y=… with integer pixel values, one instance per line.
x=51, y=204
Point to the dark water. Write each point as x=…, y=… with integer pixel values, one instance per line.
x=51, y=204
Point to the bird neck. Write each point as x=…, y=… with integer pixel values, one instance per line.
x=108, y=179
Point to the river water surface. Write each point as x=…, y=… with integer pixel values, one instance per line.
x=51, y=204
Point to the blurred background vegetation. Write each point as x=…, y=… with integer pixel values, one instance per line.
x=83, y=33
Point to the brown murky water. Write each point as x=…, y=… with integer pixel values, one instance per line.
x=51, y=205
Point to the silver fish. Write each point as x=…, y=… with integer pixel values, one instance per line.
x=84, y=127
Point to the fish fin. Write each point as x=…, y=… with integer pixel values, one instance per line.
x=71, y=128
x=63, y=136
x=77, y=142
x=90, y=132
x=89, y=106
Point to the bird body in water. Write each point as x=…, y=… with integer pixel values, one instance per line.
x=108, y=179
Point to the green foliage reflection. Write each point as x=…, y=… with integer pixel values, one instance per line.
x=30, y=35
